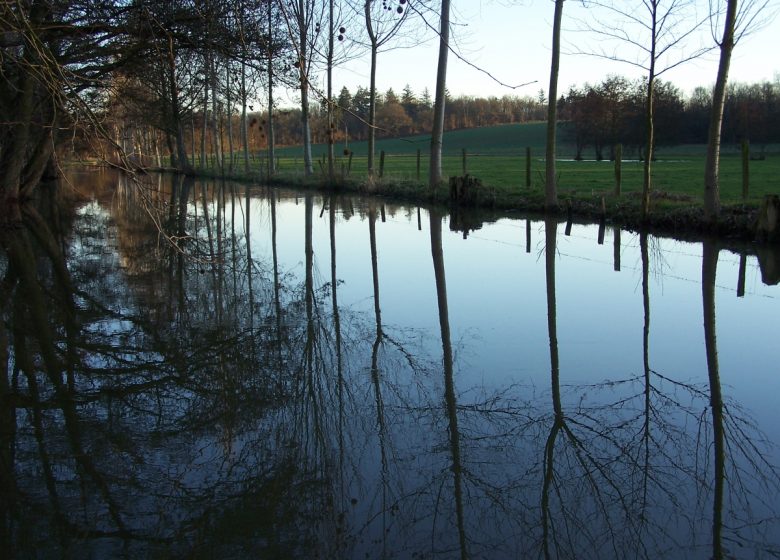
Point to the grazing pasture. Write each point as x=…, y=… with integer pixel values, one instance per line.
x=497, y=156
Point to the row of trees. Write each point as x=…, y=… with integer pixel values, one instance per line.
x=662, y=40
x=592, y=116
x=408, y=114
x=163, y=71
x=113, y=72
x=601, y=116
x=411, y=114
x=251, y=49
x=656, y=36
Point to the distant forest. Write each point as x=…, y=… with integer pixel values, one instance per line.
x=593, y=117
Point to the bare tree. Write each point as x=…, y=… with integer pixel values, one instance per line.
x=271, y=147
x=339, y=21
x=303, y=24
x=330, y=53
x=551, y=186
x=383, y=22
x=737, y=21
x=437, y=135
x=658, y=33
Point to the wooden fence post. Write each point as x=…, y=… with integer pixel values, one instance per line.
x=745, y=168
x=381, y=163
x=464, y=162
x=618, y=168
x=528, y=167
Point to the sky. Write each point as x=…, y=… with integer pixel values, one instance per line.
x=511, y=41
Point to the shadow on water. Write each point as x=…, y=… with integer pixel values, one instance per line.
x=181, y=381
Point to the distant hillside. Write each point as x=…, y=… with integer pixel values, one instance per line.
x=499, y=140
x=506, y=139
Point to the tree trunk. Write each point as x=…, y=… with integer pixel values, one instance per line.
x=371, y=91
x=649, y=116
x=38, y=161
x=205, y=123
x=270, y=125
x=157, y=157
x=244, y=131
x=712, y=165
x=229, y=114
x=551, y=186
x=372, y=109
x=14, y=151
x=215, y=115
x=437, y=135
x=26, y=149
x=308, y=166
x=650, y=139
x=331, y=123
x=181, y=148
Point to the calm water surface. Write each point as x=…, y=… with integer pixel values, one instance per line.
x=201, y=370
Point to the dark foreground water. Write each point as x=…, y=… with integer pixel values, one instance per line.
x=215, y=371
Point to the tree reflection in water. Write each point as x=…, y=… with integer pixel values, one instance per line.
x=172, y=391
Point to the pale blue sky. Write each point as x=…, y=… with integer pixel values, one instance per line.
x=511, y=40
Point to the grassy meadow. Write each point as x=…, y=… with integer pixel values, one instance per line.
x=497, y=156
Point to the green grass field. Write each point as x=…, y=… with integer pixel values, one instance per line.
x=496, y=155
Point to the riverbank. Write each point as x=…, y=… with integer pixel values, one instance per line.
x=674, y=214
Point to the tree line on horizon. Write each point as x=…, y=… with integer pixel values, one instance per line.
x=595, y=118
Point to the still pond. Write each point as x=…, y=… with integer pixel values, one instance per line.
x=211, y=370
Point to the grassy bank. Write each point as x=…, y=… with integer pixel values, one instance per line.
x=497, y=156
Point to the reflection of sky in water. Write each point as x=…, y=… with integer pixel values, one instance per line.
x=497, y=299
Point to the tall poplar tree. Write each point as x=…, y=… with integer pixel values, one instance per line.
x=739, y=17
x=551, y=186
x=437, y=134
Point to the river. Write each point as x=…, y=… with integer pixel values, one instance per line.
x=213, y=370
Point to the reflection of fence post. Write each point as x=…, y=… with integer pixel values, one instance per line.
x=464, y=161
x=616, y=249
x=602, y=222
x=528, y=236
x=745, y=168
x=381, y=163
x=618, y=168
x=741, y=277
x=528, y=167
x=418, y=164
